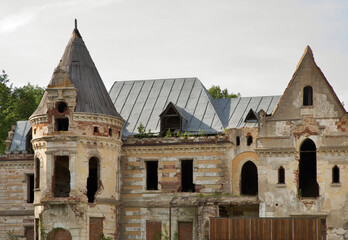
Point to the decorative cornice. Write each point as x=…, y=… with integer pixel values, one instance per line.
x=102, y=118
x=42, y=118
x=276, y=151
x=17, y=164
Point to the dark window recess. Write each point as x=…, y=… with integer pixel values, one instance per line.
x=95, y=129
x=251, y=117
x=93, y=179
x=110, y=132
x=62, y=124
x=281, y=175
x=187, y=176
x=28, y=146
x=151, y=175
x=36, y=225
x=308, y=186
x=249, y=184
x=170, y=120
x=307, y=96
x=249, y=140
x=61, y=177
x=62, y=107
x=237, y=140
x=37, y=173
x=335, y=174
x=30, y=188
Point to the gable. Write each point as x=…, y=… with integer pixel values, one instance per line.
x=292, y=104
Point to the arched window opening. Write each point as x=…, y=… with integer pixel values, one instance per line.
x=308, y=186
x=307, y=96
x=37, y=173
x=93, y=179
x=281, y=175
x=249, y=140
x=237, y=140
x=335, y=174
x=249, y=182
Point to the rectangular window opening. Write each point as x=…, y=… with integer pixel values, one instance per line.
x=30, y=188
x=61, y=178
x=62, y=124
x=187, y=176
x=152, y=175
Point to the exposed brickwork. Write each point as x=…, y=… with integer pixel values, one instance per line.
x=185, y=230
x=95, y=228
x=59, y=234
x=153, y=230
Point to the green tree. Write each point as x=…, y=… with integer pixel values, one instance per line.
x=216, y=92
x=15, y=104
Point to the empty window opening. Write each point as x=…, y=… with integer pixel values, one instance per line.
x=62, y=107
x=237, y=140
x=95, y=129
x=61, y=177
x=30, y=188
x=110, y=132
x=93, y=179
x=249, y=140
x=308, y=186
x=307, y=96
x=335, y=174
x=37, y=173
x=281, y=175
x=62, y=124
x=171, y=120
x=151, y=175
x=249, y=184
x=187, y=176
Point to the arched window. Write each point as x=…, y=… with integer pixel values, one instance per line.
x=249, y=184
x=93, y=179
x=307, y=96
x=281, y=175
x=308, y=186
x=237, y=140
x=335, y=174
x=249, y=140
x=37, y=173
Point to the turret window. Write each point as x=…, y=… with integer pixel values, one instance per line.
x=93, y=179
x=62, y=124
x=335, y=174
x=307, y=96
x=61, y=177
x=281, y=175
x=62, y=107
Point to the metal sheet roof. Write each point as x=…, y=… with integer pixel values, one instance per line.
x=19, y=137
x=143, y=101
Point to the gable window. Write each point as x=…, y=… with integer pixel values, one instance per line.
x=249, y=140
x=307, y=96
x=61, y=177
x=187, y=176
x=335, y=174
x=308, y=186
x=249, y=182
x=281, y=175
x=62, y=124
x=237, y=140
x=93, y=179
x=170, y=120
x=151, y=175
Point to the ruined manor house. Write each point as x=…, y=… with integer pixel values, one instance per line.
x=160, y=159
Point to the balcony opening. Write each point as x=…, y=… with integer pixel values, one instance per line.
x=151, y=175
x=61, y=177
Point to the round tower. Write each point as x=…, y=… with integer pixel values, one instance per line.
x=77, y=141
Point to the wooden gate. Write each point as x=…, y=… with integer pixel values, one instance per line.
x=267, y=229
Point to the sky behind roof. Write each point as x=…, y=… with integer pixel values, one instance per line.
x=247, y=46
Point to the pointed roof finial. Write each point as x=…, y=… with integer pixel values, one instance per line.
x=75, y=23
x=76, y=31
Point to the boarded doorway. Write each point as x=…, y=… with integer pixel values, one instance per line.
x=185, y=230
x=153, y=230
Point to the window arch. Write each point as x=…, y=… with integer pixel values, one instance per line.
x=93, y=178
x=249, y=182
x=308, y=186
x=335, y=174
x=281, y=175
x=307, y=96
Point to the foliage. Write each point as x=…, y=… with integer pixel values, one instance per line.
x=216, y=92
x=15, y=104
x=142, y=133
x=168, y=133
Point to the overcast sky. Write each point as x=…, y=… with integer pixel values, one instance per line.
x=247, y=46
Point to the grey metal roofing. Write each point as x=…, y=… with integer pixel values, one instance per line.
x=92, y=96
x=19, y=137
x=143, y=101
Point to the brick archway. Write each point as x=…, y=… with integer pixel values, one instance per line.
x=59, y=234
